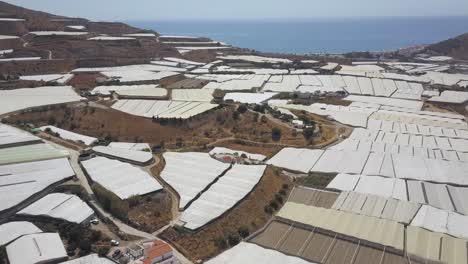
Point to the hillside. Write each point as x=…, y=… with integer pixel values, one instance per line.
x=36, y=20
x=73, y=50
x=455, y=47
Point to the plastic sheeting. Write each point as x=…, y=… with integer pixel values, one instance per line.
x=125, y=154
x=377, y=206
x=120, y=178
x=36, y=248
x=230, y=189
x=61, y=206
x=251, y=253
x=296, y=159
x=381, y=231
x=12, y=230
x=20, y=181
x=190, y=173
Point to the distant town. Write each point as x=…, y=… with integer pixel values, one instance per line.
x=121, y=145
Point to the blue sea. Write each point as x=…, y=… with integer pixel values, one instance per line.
x=328, y=35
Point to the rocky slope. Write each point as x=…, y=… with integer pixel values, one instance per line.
x=455, y=47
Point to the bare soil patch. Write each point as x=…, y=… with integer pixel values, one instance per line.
x=201, y=130
x=152, y=212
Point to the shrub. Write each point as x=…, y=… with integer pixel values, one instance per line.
x=308, y=133
x=259, y=108
x=220, y=243
x=279, y=198
x=242, y=108
x=233, y=240
x=235, y=115
x=85, y=246
x=134, y=200
x=268, y=209
x=52, y=121
x=255, y=117
x=179, y=142
x=274, y=204
x=276, y=134
x=71, y=247
x=103, y=251
x=95, y=235
x=243, y=231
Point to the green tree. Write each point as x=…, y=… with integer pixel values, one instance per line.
x=235, y=115
x=276, y=134
x=243, y=231
x=308, y=133
x=242, y=108
x=233, y=240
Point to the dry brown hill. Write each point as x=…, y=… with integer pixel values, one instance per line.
x=75, y=50
x=455, y=47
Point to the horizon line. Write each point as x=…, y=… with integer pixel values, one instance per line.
x=290, y=18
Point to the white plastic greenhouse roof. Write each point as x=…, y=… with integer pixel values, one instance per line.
x=296, y=159
x=8, y=37
x=401, y=103
x=130, y=146
x=249, y=98
x=256, y=59
x=125, y=154
x=162, y=108
x=20, y=59
x=12, y=230
x=57, y=33
x=61, y=206
x=30, y=153
x=65, y=134
x=109, y=38
x=59, y=78
x=10, y=135
x=14, y=100
x=350, y=115
x=128, y=76
x=192, y=95
x=132, y=68
x=441, y=221
x=230, y=189
x=455, y=97
x=20, y=181
x=221, y=150
x=90, y=259
x=135, y=90
x=183, y=61
x=120, y=178
x=230, y=84
x=411, y=118
x=344, y=182
x=36, y=248
x=250, y=253
x=376, y=206
x=190, y=173
x=381, y=186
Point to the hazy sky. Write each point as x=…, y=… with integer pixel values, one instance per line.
x=113, y=10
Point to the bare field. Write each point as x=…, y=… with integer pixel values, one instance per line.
x=205, y=129
x=152, y=213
